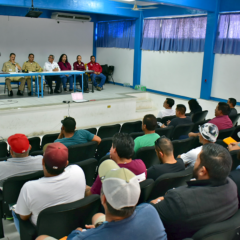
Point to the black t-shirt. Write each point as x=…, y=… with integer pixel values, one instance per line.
x=233, y=112
x=157, y=170
x=177, y=121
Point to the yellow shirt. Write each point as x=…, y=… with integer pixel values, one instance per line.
x=31, y=66
x=9, y=67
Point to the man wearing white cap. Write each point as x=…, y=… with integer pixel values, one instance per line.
x=123, y=220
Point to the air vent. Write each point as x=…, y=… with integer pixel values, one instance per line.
x=70, y=17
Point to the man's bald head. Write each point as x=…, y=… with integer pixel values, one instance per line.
x=165, y=146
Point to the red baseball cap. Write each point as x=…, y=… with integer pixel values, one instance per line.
x=56, y=156
x=19, y=143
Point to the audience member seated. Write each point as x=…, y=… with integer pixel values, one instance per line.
x=20, y=163
x=69, y=136
x=168, y=111
x=52, y=66
x=180, y=117
x=194, y=106
x=96, y=67
x=211, y=198
x=164, y=151
x=66, y=66
x=149, y=124
x=12, y=66
x=208, y=133
x=60, y=184
x=79, y=66
x=121, y=152
x=123, y=220
x=232, y=103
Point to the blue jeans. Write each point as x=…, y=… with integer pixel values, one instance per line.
x=101, y=76
x=64, y=81
x=16, y=221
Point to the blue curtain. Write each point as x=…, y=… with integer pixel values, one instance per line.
x=228, y=36
x=118, y=34
x=175, y=34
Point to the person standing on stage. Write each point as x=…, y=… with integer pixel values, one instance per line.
x=12, y=66
x=96, y=67
x=31, y=66
x=52, y=66
x=79, y=66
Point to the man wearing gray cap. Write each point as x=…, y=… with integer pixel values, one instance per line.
x=123, y=220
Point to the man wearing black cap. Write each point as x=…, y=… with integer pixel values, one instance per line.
x=68, y=136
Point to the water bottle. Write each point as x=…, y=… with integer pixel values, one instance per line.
x=87, y=68
x=16, y=69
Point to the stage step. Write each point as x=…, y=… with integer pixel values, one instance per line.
x=143, y=104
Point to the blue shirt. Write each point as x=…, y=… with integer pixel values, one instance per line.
x=79, y=137
x=143, y=224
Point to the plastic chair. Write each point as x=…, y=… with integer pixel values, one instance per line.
x=108, y=131
x=146, y=188
x=148, y=156
x=36, y=153
x=137, y=134
x=59, y=221
x=49, y=138
x=167, y=131
x=199, y=116
x=197, y=124
x=181, y=130
x=103, y=148
x=3, y=149
x=80, y=152
x=89, y=168
x=235, y=134
x=168, y=181
x=130, y=127
x=165, y=119
x=35, y=143
x=182, y=146
x=235, y=160
x=222, y=143
x=92, y=130
x=234, y=119
x=225, y=133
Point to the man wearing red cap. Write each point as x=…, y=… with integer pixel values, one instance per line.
x=20, y=163
x=44, y=193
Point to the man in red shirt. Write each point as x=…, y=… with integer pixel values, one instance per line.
x=96, y=67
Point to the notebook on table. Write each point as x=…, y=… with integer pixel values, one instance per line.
x=78, y=97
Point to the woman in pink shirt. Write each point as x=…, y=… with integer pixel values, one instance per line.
x=66, y=66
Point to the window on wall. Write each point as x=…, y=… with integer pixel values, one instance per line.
x=118, y=34
x=228, y=35
x=175, y=34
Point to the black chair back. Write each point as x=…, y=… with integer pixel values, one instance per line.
x=146, y=188
x=235, y=160
x=182, y=146
x=89, y=168
x=165, y=119
x=226, y=230
x=108, y=131
x=35, y=143
x=3, y=149
x=197, y=124
x=92, y=130
x=168, y=181
x=225, y=133
x=148, y=156
x=167, y=131
x=221, y=142
x=234, y=119
x=80, y=152
x=130, y=127
x=103, y=148
x=199, y=116
x=49, y=138
x=36, y=153
x=235, y=134
x=181, y=130
x=136, y=134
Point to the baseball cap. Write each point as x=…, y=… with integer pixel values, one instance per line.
x=69, y=123
x=19, y=143
x=56, y=156
x=209, y=131
x=120, y=186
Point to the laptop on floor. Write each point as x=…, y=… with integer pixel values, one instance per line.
x=78, y=97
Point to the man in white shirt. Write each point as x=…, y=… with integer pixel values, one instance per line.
x=60, y=185
x=208, y=133
x=52, y=66
x=168, y=111
x=20, y=163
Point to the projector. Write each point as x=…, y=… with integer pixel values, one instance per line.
x=33, y=13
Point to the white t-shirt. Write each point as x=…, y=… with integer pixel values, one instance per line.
x=166, y=112
x=50, y=66
x=38, y=195
x=190, y=157
x=19, y=166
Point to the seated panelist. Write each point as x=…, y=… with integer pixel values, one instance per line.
x=12, y=66
x=31, y=66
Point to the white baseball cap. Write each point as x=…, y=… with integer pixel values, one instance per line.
x=209, y=131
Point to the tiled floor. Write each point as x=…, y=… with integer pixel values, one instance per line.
x=10, y=231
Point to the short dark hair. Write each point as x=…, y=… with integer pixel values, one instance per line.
x=53, y=171
x=170, y=102
x=69, y=124
x=78, y=56
x=123, y=212
x=224, y=107
x=60, y=59
x=150, y=121
x=124, y=145
x=164, y=145
x=51, y=56
x=91, y=57
x=217, y=160
x=181, y=108
x=193, y=104
x=233, y=101
x=12, y=54
x=30, y=54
